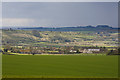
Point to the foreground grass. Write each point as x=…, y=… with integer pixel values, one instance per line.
x=56, y=66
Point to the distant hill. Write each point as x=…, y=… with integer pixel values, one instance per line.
x=98, y=28
x=79, y=28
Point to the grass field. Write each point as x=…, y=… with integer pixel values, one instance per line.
x=56, y=66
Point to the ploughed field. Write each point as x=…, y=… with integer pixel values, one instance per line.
x=59, y=66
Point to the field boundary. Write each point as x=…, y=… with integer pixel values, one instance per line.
x=60, y=79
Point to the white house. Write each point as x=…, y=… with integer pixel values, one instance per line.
x=73, y=51
x=90, y=50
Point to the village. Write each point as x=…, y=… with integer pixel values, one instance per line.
x=55, y=50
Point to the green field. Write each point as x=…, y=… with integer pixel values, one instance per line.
x=59, y=66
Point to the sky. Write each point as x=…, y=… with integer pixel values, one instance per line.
x=60, y=0
x=59, y=14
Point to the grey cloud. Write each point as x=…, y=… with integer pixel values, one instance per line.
x=63, y=13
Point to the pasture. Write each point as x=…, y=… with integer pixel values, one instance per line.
x=59, y=66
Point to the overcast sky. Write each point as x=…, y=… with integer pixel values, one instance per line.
x=59, y=14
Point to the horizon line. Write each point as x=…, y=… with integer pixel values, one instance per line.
x=54, y=27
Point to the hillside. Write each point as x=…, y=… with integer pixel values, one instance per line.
x=58, y=38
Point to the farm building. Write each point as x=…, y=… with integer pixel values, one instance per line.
x=73, y=51
x=91, y=50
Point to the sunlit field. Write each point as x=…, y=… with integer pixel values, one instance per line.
x=59, y=66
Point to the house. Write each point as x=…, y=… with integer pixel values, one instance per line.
x=91, y=50
x=74, y=51
x=26, y=51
